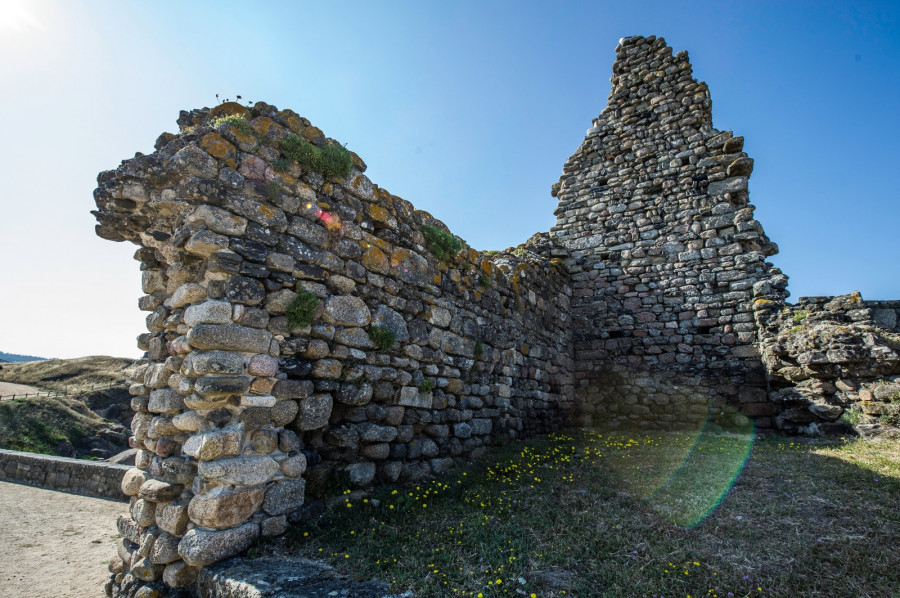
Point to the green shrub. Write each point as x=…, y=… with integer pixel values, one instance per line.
x=272, y=190
x=331, y=160
x=300, y=313
x=335, y=160
x=799, y=316
x=235, y=120
x=852, y=416
x=281, y=164
x=383, y=338
x=426, y=386
x=442, y=244
x=484, y=282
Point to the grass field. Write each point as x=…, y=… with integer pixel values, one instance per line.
x=615, y=514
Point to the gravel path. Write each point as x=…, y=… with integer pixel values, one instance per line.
x=9, y=388
x=55, y=544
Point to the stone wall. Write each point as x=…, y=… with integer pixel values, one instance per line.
x=310, y=333
x=664, y=251
x=90, y=478
x=833, y=362
x=243, y=411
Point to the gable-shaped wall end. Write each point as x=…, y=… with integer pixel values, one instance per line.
x=666, y=259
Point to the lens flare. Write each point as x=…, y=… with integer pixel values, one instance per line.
x=707, y=472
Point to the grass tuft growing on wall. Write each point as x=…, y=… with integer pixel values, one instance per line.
x=300, y=312
x=330, y=161
x=383, y=338
x=442, y=244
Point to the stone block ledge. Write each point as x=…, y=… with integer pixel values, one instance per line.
x=275, y=577
x=89, y=478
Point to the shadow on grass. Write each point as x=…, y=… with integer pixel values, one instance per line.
x=590, y=513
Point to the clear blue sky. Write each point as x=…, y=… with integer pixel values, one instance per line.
x=467, y=109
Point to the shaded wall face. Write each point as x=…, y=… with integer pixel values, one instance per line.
x=665, y=250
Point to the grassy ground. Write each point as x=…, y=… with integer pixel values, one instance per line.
x=38, y=425
x=616, y=514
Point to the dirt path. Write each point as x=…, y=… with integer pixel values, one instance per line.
x=9, y=388
x=55, y=544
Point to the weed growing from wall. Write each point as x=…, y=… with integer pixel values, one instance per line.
x=484, y=282
x=442, y=244
x=235, y=120
x=383, y=338
x=300, y=313
x=331, y=160
x=272, y=191
x=426, y=386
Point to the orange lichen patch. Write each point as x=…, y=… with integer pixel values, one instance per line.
x=406, y=263
x=228, y=108
x=284, y=179
x=292, y=121
x=311, y=133
x=266, y=211
x=370, y=239
x=383, y=195
x=217, y=146
x=437, y=279
x=487, y=267
x=245, y=139
x=358, y=162
x=375, y=259
x=263, y=125
x=379, y=213
x=404, y=208
x=327, y=189
x=524, y=349
x=473, y=256
x=455, y=276
x=400, y=256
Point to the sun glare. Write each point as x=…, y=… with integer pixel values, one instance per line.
x=15, y=17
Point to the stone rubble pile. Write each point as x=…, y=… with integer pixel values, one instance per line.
x=829, y=357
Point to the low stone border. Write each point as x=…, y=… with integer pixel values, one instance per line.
x=90, y=478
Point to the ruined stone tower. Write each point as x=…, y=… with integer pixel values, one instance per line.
x=664, y=250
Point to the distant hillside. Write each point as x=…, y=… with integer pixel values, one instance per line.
x=15, y=357
x=92, y=421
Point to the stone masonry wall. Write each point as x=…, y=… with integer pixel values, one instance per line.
x=649, y=304
x=240, y=414
x=80, y=476
x=833, y=362
x=664, y=252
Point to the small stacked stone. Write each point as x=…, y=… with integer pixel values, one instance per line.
x=664, y=251
x=235, y=400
